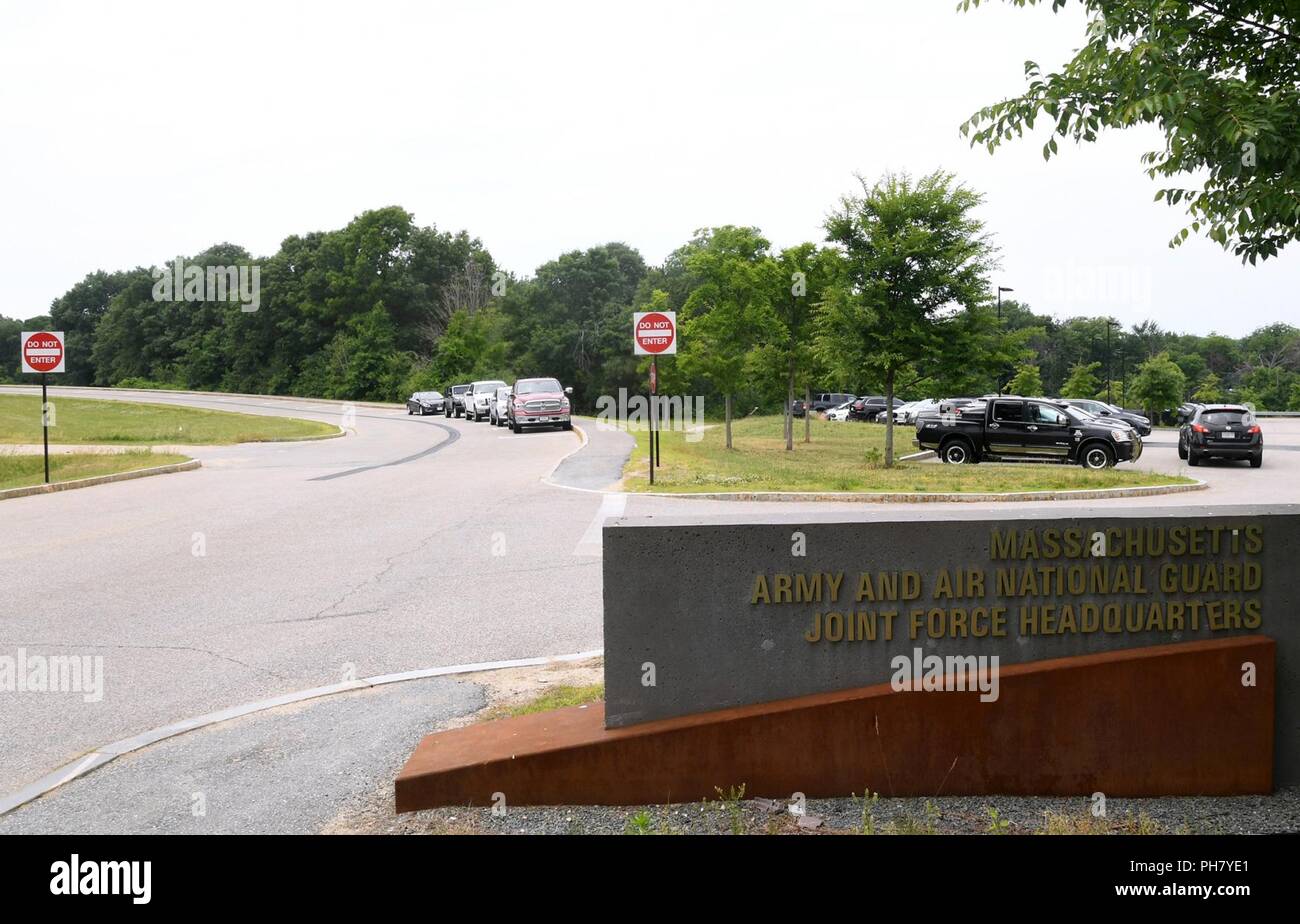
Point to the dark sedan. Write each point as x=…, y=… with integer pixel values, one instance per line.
x=424, y=402
x=1101, y=409
x=1221, y=431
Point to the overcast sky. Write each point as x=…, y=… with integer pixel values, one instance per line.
x=132, y=132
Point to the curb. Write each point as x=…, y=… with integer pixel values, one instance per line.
x=189, y=466
x=106, y=753
x=933, y=498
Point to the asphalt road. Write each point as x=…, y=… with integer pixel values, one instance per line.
x=409, y=543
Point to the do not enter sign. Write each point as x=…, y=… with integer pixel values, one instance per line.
x=654, y=333
x=42, y=351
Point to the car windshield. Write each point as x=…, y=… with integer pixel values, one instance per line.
x=487, y=387
x=1078, y=414
x=1224, y=418
x=537, y=386
x=503, y=392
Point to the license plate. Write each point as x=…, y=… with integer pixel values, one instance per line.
x=1227, y=436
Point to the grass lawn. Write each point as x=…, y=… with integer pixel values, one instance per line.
x=555, y=698
x=21, y=471
x=81, y=420
x=843, y=457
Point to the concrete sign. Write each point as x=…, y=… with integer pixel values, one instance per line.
x=708, y=615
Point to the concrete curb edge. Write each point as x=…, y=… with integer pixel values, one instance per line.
x=10, y=493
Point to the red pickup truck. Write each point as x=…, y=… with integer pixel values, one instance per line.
x=538, y=403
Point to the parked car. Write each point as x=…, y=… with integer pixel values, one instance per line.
x=840, y=412
x=1222, y=431
x=500, y=405
x=1013, y=427
x=870, y=407
x=1101, y=409
x=908, y=413
x=538, y=403
x=454, y=403
x=424, y=402
x=827, y=400
x=478, y=400
x=1184, y=412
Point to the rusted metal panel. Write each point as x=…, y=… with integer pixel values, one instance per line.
x=1161, y=720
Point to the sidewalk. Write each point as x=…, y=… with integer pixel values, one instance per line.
x=598, y=465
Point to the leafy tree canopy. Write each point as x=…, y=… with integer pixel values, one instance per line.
x=1221, y=81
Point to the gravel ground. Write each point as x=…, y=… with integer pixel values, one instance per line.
x=1277, y=813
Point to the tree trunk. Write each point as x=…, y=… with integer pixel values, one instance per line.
x=727, y=412
x=889, y=418
x=807, y=413
x=789, y=409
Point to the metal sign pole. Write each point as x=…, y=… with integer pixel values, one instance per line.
x=45, y=425
x=654, y=399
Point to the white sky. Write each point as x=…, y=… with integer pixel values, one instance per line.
x=131, y=132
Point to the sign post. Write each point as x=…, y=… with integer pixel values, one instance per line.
x=42, y=354
x=654, y=333
x=654, y=411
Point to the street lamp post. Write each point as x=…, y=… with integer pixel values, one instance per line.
x=1109, y=323
x=1001, y=289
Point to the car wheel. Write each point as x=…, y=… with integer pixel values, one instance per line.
x=1182, y=450
x=1257, y=461
x=568, y=425
x=956, y=452
x=1193, y=457
x=1097, y=456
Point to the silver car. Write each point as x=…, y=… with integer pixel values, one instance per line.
x=480, y=398
x=500, y=405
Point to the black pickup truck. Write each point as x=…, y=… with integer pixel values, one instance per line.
x=1029, y=428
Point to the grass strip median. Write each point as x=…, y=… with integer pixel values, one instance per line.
x=843, y=457
x=88, y=420
x=21, y=471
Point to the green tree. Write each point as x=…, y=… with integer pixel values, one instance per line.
x=1027, y=381
x=1158, y=386
x=1117, y=394
x=1082, y=382
x=1220, y=82
x=78, y=312
x=797, y=279
x=911, y=251
x=1209, y=389
x=729, y=311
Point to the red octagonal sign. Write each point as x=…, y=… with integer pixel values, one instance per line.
x=42, y=351
x=654, y=332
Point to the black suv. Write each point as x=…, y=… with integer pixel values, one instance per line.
x=870, y=407
x=1223, y=431
x=454, y=404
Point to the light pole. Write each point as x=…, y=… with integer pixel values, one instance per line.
x=1110, y=322
x=1001, y=289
